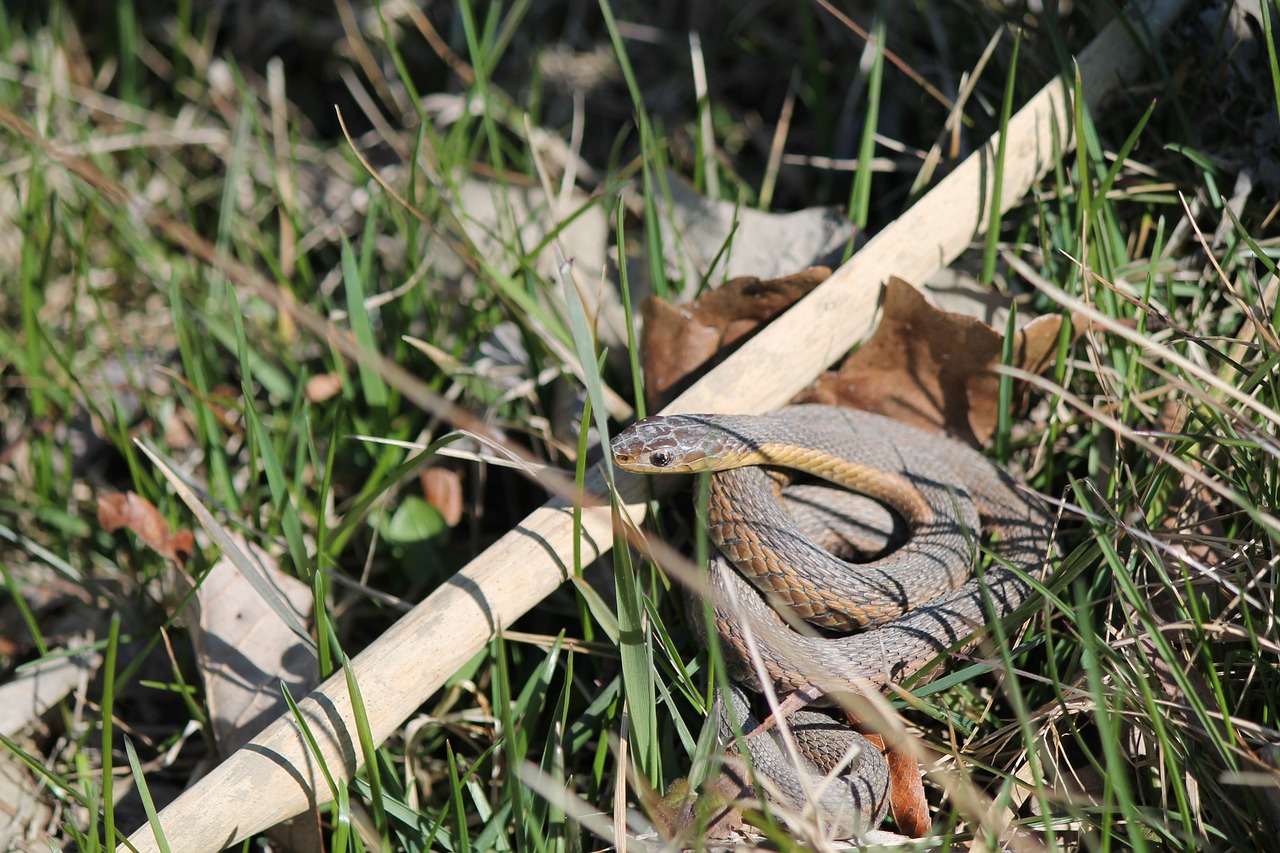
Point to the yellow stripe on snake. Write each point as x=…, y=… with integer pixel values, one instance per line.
x=788, y=539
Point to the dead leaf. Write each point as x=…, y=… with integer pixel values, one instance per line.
x=179, y=430
x=442, y=488
x=139, y=515
x=23, y=813
x=1180, y=712
x=322, y=387
x=245, y=650
x=503, y=219
x=931, y=368
x=34, y=690
x=907, y=802
x=681, y=342
x=706, y=239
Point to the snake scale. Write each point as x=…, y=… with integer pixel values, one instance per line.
x=782, y=564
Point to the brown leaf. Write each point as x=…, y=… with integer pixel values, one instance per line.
x=322, y=387
x=907, y=802
x=906, y=794
x=1036, y=347
x=136, y=513
x=443, y=490
x=179, y=430
x=932, y=369
x=681, y=342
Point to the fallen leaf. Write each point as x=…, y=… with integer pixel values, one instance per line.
x=503, y=219
x=248, y=626
x=179, y=430
x=707, y=239
x=907, y=802
x=932, y=369
x=1036, y=347
x=1193, y=517
x=244, y=650
x=36, y=689
x=681, y=342
x=24, y=816
x=443, y=489
x=322, y=387
x=139, y=515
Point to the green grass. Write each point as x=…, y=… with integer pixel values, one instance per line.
x=1135, y=710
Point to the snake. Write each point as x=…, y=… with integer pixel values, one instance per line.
x=845, y=805
x=819, y=623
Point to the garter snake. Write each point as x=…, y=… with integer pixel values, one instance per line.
x=920, y=599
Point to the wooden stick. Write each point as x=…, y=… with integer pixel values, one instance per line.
x=275, y=776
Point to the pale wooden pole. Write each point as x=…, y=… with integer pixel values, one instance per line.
x=274, y=777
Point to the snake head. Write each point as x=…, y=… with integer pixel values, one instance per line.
x=672, y=444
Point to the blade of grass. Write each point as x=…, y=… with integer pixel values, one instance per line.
x=1269, y=38
x=995, y=214
x=860, y=194
x=108, y=730
x=341, y=808
x=649, y=155
x=636, y=650
x=144, y=794
x=368, y=749
x=230, y=548
x=371, y=384
x=266, y=451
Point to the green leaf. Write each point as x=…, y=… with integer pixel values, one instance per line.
x=414, y=520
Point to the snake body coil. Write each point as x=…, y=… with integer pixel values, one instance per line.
x=779, y=537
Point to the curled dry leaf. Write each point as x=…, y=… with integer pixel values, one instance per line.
x=906, y=787
x=138, y=514
x=933, y=369
x=681, y=342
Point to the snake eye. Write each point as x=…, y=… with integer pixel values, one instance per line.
x=660, y=458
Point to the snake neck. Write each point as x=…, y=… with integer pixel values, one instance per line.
x=891, y=489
